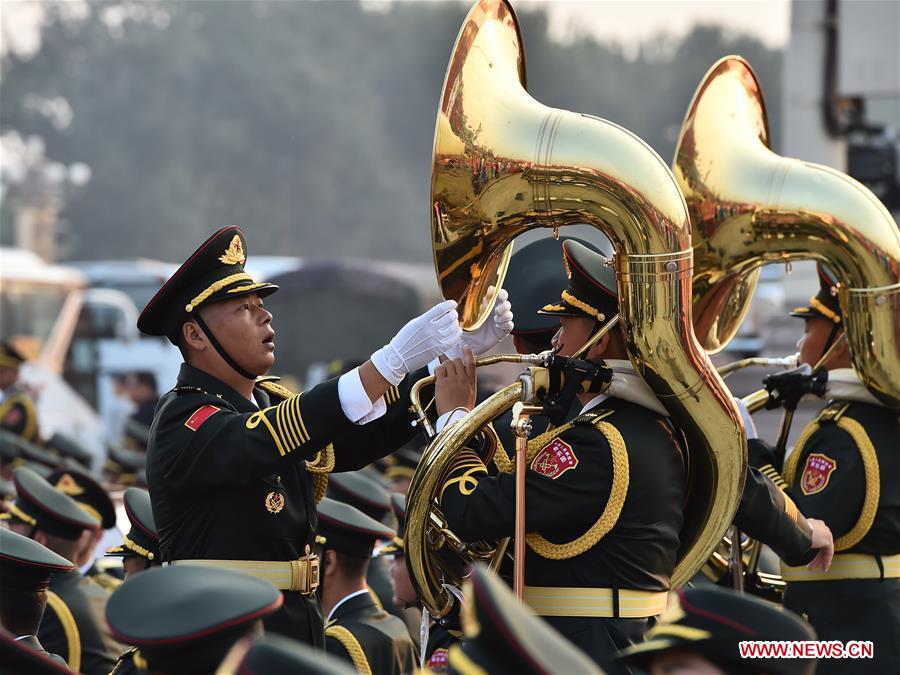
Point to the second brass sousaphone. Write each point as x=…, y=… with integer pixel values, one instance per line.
x=505, y=164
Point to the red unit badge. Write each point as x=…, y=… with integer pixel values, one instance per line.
x=196, y=420
x=555, y=459
x=816, y=473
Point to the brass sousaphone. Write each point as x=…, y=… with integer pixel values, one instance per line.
x=505, y=164
x=750, y=206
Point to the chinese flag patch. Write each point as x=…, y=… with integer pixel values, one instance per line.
x=555, y=459
x=196, y=420
x=816, y=473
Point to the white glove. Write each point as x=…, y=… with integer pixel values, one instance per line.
x=492, y=331
x=749, y=426
x=418, y=342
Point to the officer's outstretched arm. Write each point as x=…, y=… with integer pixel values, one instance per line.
x=199, y=442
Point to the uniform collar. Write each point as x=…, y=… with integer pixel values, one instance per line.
x=628, y=386
x=844, y=385
x=194, y=377
x=349, y=603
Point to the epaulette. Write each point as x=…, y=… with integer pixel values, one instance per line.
x=267, y=378
x=187, y=389
x=833, y=412
x=593, y=416
x=272, y=387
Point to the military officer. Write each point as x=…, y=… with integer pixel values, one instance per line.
x=140, y=547
x=435, y=639
x=226, y=468
x=701, y=630
x=367, y=495
x=18, y=413
x=95, y=501
x=843, y=469
x=25, y=571
x=621, y=445
x=503, y=636
x=183, y=619
x=71, y=626
x=356, y=629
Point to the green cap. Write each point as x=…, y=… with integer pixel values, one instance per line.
x=142, y=539
x=711, y=621
x=69, y=446
x=592, y=291
x=10, y=357
x=360, y=491
x=92, y=497
x=346, y=529
x=27, y=565
x=503, y=635
x=276, y=654
x=186, y=618
x=396, y=546
x=41, y=505
x=215, y=271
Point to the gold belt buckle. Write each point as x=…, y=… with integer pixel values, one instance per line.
x=312, y=573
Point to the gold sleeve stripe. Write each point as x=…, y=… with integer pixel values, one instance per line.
x=257, y=417
x=285, y=430
x=288, y=430
x=790, y=508
x=70, y=628
x=296, y=409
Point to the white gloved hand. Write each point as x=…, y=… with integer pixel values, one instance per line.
x=749, y=426
x=492, y=331
x=418, y=342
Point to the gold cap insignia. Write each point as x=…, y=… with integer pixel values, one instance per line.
x=234, y=254
x=67, y=485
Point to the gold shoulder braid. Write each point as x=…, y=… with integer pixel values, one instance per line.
x=870, y=467
x=323, y=463
x=611, y=512
x=351, y=644
x=70, y=629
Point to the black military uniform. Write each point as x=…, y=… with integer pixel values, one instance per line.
x=504, y=636
x=437, y=637
x=357, y=629
x=18, y=413
x=843, y=470
x=604, y=501
x=710, y=622
x=186, y=619
x=27, y=566
x=229, y=477
x=71, y=626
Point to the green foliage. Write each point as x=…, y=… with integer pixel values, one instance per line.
x=310, y=124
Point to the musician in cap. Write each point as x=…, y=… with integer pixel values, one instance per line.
x=366, y=494
x=124, y=466
x=276, y=654
x=25, y=571
x=843, y=470
x=18, y=413
x=356, y=629
x=702, y=629
x=605, y=489
x=93, y=498
x=435, y=639
x=501, y=635
x=71, y=626
x=231, y=459
x=184, y=620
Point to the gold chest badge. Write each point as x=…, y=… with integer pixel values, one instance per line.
x=274, y=502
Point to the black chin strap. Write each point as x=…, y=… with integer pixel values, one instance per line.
x=219, y=348
x=831, y=337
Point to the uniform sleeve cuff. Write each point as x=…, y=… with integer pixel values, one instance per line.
x=449, y=418
x=355, y=402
